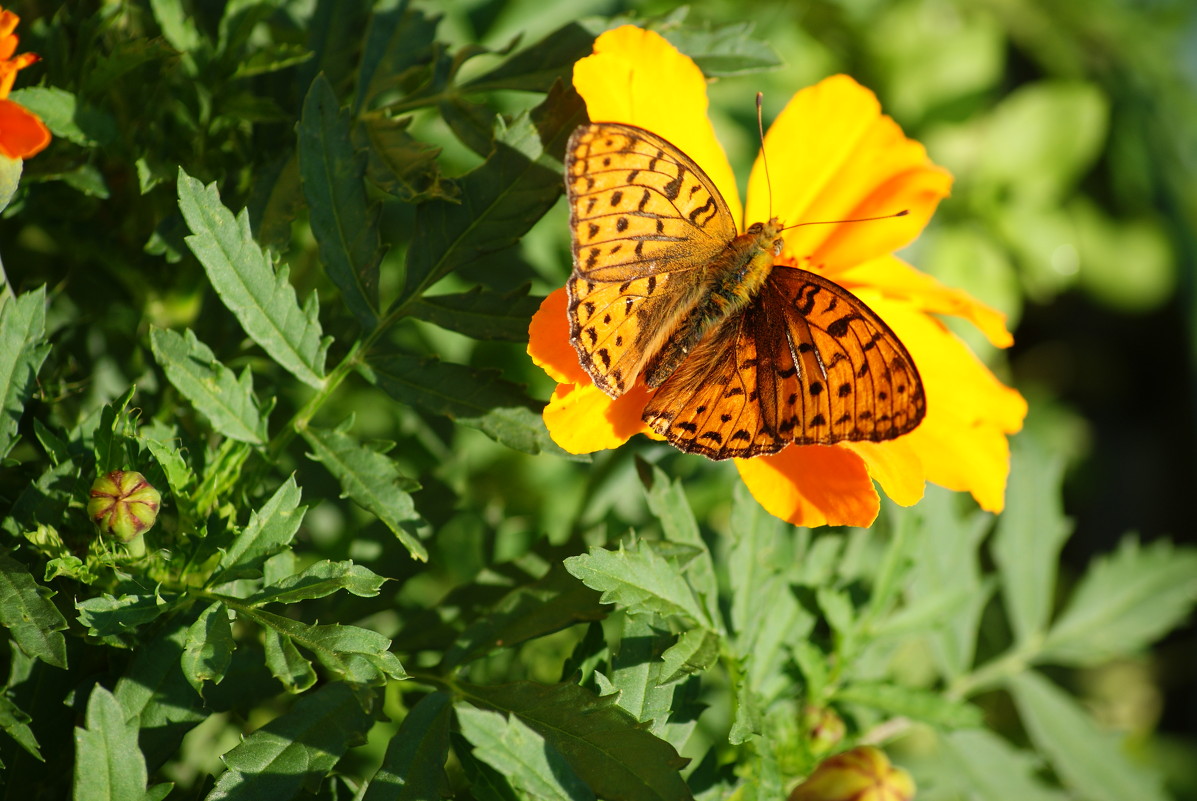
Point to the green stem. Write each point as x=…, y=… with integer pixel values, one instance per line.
x=996, y=670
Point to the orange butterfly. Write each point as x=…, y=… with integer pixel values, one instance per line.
x=745, y=358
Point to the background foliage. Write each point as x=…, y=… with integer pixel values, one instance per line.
x=281, y=258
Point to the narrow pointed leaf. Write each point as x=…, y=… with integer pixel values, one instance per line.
x=27, y=612
x=22, y=351
x=920, y=705
x=413, y=768
x=262, y=299
x=319, y=580
x=639, y=579
x=453, y=390
x=15, y=724
x=990, y=769
x=270, y=529
x=108, y=764
x=669, y=504
x=208, y=648
x=286, y=663
x=479, y=313
x=695, y=651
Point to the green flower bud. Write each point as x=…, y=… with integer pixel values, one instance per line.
x=123, y=504
x=824, y=728
x=862, y=774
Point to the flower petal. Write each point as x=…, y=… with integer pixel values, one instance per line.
x=638, y=78
x=548, y=341
x=812, y=485
x=897, y=279
x=581, y=419
x=836, y=157
x=962, y=442
x=22, y=134
x=896, y=466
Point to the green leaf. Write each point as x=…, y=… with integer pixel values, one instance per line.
x=262, y=300
x=724, y=50
x=413, y=768
x=639, y=579
x=84, y=125
x=1028, y=539
x=15, y=723
x=227, y=400
x=603, y=744
x=520, y=429
x=480, y=313
x=921, y=705
x=296, y=750
x=108, y=764
x=499, y=202
x=286, y=663
x=27, y=612
x=636, y=671
x=22, y=351
x=108, y=439
x=108, y=615
x=371, y=480
x=270, y=530
x=401, y=165
x=343, y=221
x=515, y=750
x=1124, y=602
x=397, y=40
x=358, y=655
x=990, y=769
x=1091, y=763
x=538, y=67
x=319, y=580
x=749, y=715
x=208, y=648
x=695, y=651
x=453, y=390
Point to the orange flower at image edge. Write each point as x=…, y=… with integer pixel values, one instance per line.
x=833, y=156
x=22, y=134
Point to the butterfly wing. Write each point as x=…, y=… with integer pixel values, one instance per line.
x=807, y=363
x=646, y=223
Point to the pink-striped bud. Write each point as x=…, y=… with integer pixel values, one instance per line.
x=123, y=504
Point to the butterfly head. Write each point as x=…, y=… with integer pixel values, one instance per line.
x=766, y=235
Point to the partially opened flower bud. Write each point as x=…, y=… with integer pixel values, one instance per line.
x=123, y=504
x=862, y=774
x=824, y=728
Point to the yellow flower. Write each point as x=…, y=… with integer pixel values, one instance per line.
x=862, y=774
x=22, y=134
x=833, y=156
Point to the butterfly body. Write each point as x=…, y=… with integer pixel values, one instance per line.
x=745, y=357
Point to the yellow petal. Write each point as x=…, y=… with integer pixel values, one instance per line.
x=834, y=156
x=638, y=78
x=581, y=419
x=897, y=279
x=896, y=466
x=812, y=485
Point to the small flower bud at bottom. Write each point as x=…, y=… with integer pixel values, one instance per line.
x=862, y=774
x=824, y=728
x=123, y=504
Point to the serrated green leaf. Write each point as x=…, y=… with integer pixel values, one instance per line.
x=539, y=66
x=208, y=648
x=397, y=40
x=296, y=750
x=413, y=768
x=921, y=705
x=636, y=671
x=371, y=480
x=22, y=351
x=724, y=50
x=837, y=608
x=108, y=438
x=640, y=580
x=990, y=769
x=520, y=429
x=400, y=164
x=262, y=300
x=27, y=612
x=15, y=723
x=227, y=400
x=749, y=714
x=108, y=764
x=286, y=663
x=1090, y=762
x=66, y=117
x=360, y=656
x=601, y=742
x=509, y=746
x=439, y=387
x=1028, y=539
x=178, y=473
x=480, y=313
x=695, y=651
x=108, y=615
x=499, y=202
x=321, y=579
x=270, y=529
x=1124, y=602
x=343, y=221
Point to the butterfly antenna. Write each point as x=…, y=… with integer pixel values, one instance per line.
x=760, y=127
x=901, y=213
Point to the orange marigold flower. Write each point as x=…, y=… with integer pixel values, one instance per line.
x=833, y=156
x=22, y=134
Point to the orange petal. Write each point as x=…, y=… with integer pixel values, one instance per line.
x=834, y=156
x=548, y=341
x=638, y=78
x=582, y=419
x=897, y=279
x=963, y=440
x=896, y=466
x=22, y=134
x=812, y=485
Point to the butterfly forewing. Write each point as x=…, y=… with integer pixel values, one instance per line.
x=643, y=217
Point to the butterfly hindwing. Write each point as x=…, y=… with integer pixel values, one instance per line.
x=643, y=217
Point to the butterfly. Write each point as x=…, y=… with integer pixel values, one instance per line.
x=745, y=357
